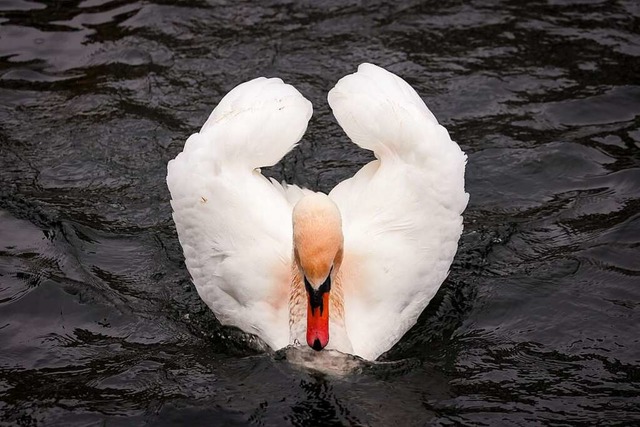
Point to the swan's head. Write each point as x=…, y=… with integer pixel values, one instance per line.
x=317, y=249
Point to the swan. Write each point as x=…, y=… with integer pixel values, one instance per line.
x=349, y=271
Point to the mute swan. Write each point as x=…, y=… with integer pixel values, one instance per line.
x=349, y=271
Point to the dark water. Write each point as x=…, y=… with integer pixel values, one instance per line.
x=538, y=323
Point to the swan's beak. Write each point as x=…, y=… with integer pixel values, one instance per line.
x=318, y=318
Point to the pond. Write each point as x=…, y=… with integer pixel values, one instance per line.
x=537, y=323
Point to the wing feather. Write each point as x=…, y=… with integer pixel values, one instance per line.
x=234, y=224
x=401, y=213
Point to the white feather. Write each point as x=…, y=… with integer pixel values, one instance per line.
x=234, y=225
x=401, y=213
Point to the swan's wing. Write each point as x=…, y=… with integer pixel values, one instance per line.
x=234, y=225
x=401, y=213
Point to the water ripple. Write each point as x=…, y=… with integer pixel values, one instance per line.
x=536, y=323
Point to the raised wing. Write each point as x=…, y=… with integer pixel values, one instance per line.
x=401, y=213
x=235, y=225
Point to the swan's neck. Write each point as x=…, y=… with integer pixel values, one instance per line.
x=298, y=300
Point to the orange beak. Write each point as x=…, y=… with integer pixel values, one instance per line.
x=318, y=320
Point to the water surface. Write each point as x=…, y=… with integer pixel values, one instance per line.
x=538, y=321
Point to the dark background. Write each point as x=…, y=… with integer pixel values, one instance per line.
x=538, y=322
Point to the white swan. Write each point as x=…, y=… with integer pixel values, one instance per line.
x=350, y=271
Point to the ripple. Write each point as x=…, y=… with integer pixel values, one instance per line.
x=25, y=255
x=619, y=104
x=20, y=5
x=535, y=323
